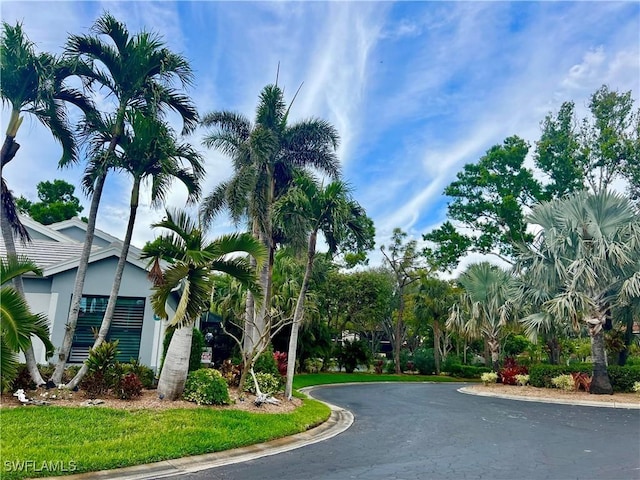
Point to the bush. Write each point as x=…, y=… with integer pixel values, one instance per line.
x=468, y=371
x=266, y=363
x=623, y=378
x=563, y=382
x=102, y=373
x=424, y=361
x=489, y=377
x=268, y=383
x=509, y=371
x=352, y=354
x=206, y=386
x=378, y=366
x=522, y=380
x=451, y=364
x=129, y=387
x=636, y=387
x=231, y=372
x=144, y=373
x=281, y=362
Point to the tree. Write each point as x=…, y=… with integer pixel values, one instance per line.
x=433, y=302
x=149, y=151
x=18, y=324
x=588, y=245
x=35, y=84
x=484, y=306
x=57, y=203
x=310, y=209
x=404, y=261
x=193, y=262
x=266, y=155
x=137, y=72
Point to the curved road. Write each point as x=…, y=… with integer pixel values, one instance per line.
x=431, y=431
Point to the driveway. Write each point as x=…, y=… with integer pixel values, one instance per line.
x=431, y=431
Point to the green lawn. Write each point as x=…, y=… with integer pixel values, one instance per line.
x=101, y=438
x=307, y=380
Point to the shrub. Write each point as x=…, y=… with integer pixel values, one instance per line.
x=206, y=386
x=266, y=363
x=281, y=362
x=230, y=372
x=489, y=377
x=352, y=354
x=451, y=363
x=522, y=380
x=129, y=387
x=468, y=371
x=22, y=380
x=509, y=371
x=424, y=361
x=378, y=366
x=540, y=375
x=636, y=387
x=563, y=382
x=144, y=373
x=623, y=378
x=268, y=382
x=102, y=373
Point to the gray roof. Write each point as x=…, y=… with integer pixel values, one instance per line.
x=45, y=253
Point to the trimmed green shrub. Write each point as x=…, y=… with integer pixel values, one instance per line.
x=469, y=371
x=452, y=364
x=424, y=361
x=268, y=383
x=622, y=378
x=266, y=363
x=206, y=386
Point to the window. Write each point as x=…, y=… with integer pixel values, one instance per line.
x=126, y=326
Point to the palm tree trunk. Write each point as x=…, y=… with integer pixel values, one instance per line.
x=10, y=246
x=176, y=364
x=298, y=314
x=398, y=335
x=115, y=289
x=600, y=383
x=494, y=347
x=70, y=328
x=436, y=345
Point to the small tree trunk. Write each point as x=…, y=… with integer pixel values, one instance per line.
x=10, y=246
x=72, y=322
x=398, y=336
x=554, y=350
x=298, y=315
x=176, y=364
x=494, y=347
x=600, y=383
x=436, y=345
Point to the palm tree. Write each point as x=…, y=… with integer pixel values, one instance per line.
x=484, y=307
x=433, y=302
x=192, y=263
x=17, y=323
x=149, y=150
x=137, y=72
x=588, y=249
x=265, y=154
x=35, y=84
x=311, y=208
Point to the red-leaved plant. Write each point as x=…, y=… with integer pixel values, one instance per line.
x=281, y=360
x=509, y=370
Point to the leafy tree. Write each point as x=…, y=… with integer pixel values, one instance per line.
x=17, y=323
x=266, y=154
x=484, y=306
x=57, y=203
x=138, y=73
x=193, y=262
x=309, y=208
x=588, y=251
x=32, y=83
x=404, y=260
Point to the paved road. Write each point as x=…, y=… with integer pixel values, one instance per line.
x=431, y=431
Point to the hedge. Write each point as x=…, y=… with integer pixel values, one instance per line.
x=622, y=378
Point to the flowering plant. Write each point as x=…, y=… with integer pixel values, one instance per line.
x=489, y=377
x=522, y=380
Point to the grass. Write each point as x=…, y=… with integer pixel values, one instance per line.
x=100, y=438
x=310, y=379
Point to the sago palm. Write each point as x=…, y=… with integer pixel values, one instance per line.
x=193, y=263
x=137, y=72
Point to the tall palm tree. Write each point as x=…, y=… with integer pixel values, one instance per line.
x=137, y=72
x=193, y=262
x=148, y=150
x=17, y=323
x=485, y=306
x=32, y=83
x=265, y=154
x=589, y=246
x=311, y=208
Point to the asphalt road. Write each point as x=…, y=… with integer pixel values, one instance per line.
x=431, y=431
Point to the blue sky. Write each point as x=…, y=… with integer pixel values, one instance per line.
x=416, y=89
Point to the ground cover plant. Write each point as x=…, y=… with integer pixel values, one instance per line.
x=103, y=438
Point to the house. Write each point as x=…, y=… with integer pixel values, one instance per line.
x=56, y=249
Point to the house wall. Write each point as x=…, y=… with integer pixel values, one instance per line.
x=98, y=282
x=37, y=235
x=80, y=234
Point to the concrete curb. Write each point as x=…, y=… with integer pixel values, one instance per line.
x=339, y=421
x=583, y=403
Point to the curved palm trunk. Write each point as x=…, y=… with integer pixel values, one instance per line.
x=436, y=345
x=298, y=315
x=397, y=340
x=7, y=236
x=113, y=296
x=70, y=328
x=600, y=383
x=176, y=364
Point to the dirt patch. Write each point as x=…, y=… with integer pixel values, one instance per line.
x=150, y=401
x=554, y=393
